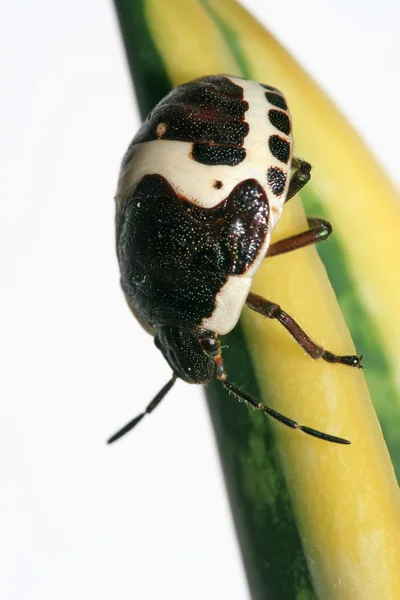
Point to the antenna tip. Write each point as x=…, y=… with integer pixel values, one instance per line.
x=125, y=429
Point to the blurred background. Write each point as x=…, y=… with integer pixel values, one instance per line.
x=148, y=517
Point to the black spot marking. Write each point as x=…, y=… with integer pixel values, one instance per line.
x=277, y=180
x=276, y=100
x=209, y=154
x=248, y=209
x=280, y=120
x=269, y=88
x=224, y=84
x=211, y=109
x=218, y=184
x=279, y=147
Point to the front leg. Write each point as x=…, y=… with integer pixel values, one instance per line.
x=299, y=178
x=273, y=311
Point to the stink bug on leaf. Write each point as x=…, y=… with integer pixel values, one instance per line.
x=201, y=188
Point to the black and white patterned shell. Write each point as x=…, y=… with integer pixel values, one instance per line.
x=201, y=187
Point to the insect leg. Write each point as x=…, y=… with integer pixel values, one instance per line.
x=273, y=311
x=299, y=178
x=155, y=402
x=319, y=231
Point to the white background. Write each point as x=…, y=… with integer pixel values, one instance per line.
x=147, y=518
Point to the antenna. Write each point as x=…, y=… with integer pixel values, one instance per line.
x=155, y=402
x=242, y=395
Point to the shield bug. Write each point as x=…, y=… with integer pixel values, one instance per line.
x=201, y=188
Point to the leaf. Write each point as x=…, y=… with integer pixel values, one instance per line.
x=313, y=519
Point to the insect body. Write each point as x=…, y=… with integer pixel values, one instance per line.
x=201, y=187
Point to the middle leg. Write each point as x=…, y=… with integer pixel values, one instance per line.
x=319, y=231
x=273, y=311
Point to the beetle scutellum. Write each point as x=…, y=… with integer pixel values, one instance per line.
x=201, y=187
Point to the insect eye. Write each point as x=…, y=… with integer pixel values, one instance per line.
x=210, y=345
